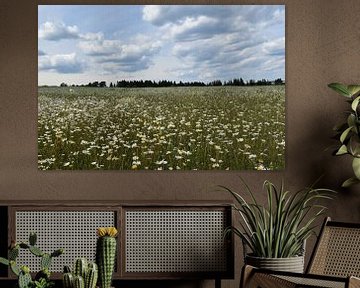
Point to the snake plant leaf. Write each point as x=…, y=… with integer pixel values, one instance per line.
x=349, y=182
x=356, y=167
x=340, y=88
x=353, y=89
x=355, y=103
x=342, y=150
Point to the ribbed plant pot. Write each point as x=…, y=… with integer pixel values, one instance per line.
x=291, y=264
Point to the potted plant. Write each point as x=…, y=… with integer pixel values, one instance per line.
x=276, y=233
x=349, y=132
x=42, y=278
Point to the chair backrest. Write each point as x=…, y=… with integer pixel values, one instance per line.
x=337, y=251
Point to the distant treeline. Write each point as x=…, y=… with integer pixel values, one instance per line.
x=167, y=83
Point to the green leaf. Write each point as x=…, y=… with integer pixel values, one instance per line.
x=279, y=228
x=349, y=182
x=36, y=251
x=4, y=261
x=45, y=261
x=23, y=245
x=13, y=253
x=341, y=89
x=355, y=103
x=353, y=89
x=342, y=150
x=14, y=268
x=351, y=120
x=356, y=167
x=354, y=145
x=345, y=134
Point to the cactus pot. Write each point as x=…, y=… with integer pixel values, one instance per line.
x=291, y=264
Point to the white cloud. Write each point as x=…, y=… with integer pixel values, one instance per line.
x=279, y=15
x=160, y=15
x=183, y=42
x=100, y=47
x=193, y=28
x=99, y=36
x=151, y=13
x=57, y=31
x=275, y=46
x=61, y=63
x=222, y=41
x=119, y=56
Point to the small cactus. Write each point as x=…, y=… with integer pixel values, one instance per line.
x=24, y=246
x=67, y=269
x=45, y=261
x=32, y=238
x=13, y=253
x=36, y=251
x=68, y=280
x=79, y=282
x=14, y=268
x=24, y=280
x=80, y=268
x=44, y=273
x=23, y=273
x=91, y=276
x=106, y=254
x=57, y=252
x=89, y=272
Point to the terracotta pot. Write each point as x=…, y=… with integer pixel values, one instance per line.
x=291, y=264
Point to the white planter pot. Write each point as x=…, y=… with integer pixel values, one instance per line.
x=291, y=264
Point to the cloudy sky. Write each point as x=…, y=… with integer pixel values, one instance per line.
x=85, y=43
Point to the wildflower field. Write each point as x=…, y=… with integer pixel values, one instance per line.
x=177, y=128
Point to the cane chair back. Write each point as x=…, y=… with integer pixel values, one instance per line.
x=335, y=262
x=337, y=252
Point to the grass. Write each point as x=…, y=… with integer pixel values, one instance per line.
x=180, y=128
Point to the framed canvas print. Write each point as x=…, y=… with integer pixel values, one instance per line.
x=161, y=87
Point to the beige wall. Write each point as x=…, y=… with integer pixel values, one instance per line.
x=322, y=46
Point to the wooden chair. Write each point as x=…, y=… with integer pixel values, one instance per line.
x=335, y=262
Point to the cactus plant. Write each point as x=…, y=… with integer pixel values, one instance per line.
x=84, y=274
x=79, y=282
x=24, y=277
x=32, y=239
x=105, y=254
x=68, y=280
x=91, y=275
x=80, y=268
x=45, y=261
x=42, y=278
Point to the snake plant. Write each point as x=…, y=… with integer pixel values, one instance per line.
x=279, y=228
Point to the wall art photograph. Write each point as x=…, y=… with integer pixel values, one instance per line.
x=161, y=87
